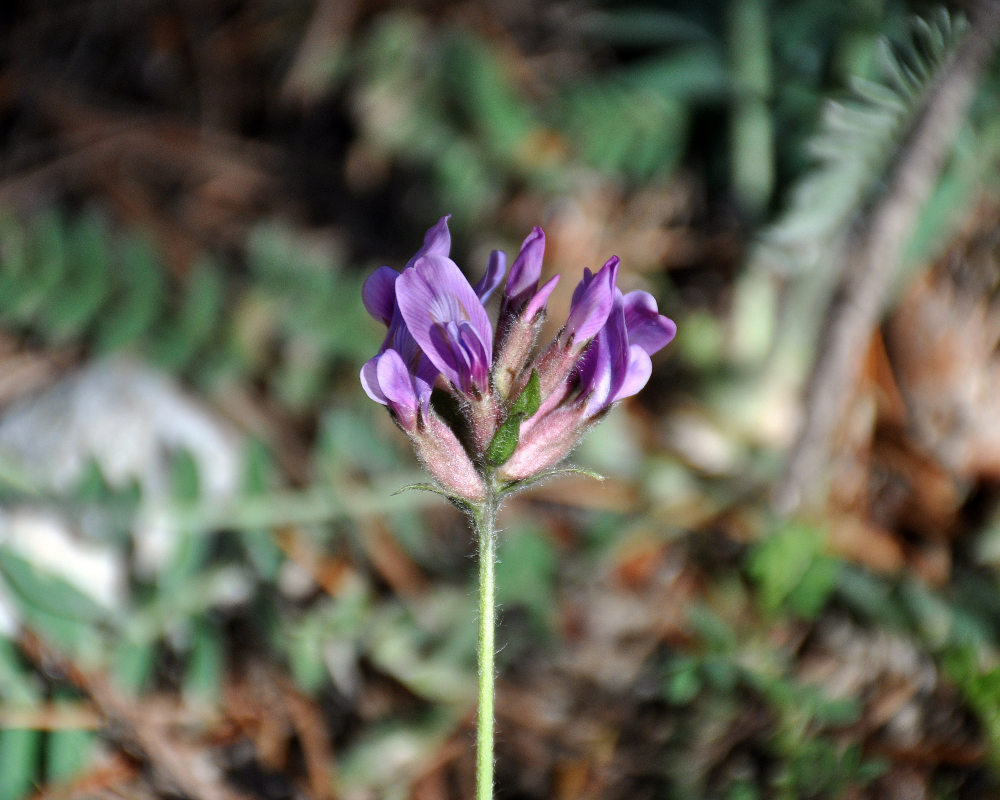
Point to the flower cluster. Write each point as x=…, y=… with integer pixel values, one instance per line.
x=511, y=413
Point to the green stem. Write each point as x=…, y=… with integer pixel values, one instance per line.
x=485, y=523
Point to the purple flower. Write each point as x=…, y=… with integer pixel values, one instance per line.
x=521, y=312
x=397, y=341
x=522, y=295
x=438, y=327
x=617, y=365
x=456, y=343
x=447, y=319
x=495, y=269
x=437, y=241
x=591, y=305
x=379, y=294
x=589, y=310
x=388, y=381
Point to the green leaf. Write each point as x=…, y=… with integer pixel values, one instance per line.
x=682, y=683
x=505, y=439
x=41, y=591
x=67, y=752
x=47, y=266
x=195, y=321
x=184, y=478
x=76, y=300
x=19, y=750
x=259, y=471
x=17, y=684
x=203, y=677
x=132, y=665
x=791, y=570
x=139, y=299
x=641, y=27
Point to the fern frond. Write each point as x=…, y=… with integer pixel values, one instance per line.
x=75, y=281
x=856, y=141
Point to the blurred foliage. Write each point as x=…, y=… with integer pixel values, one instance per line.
x=793, y=571
x=858, y=138
x=294, y=320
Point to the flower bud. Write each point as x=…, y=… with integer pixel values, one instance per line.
x=545, y=441
x=443, y=456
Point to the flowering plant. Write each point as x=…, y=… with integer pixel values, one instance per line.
x=486, y=414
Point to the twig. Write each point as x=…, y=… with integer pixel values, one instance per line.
x=872, y=253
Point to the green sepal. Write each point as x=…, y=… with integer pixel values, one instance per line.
x=530, y=399
x=505, y=439
x=458, y=500
x=504, y=442
x=516, y=486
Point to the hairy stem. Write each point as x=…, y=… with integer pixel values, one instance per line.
x=485, y=524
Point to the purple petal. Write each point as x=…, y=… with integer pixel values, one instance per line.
x=605, y=380
x=398, y=338
x=478, y=356
x=437, y=241
x=640, y=367
x=646, y=326
x=615, y=335
x=526, y=270
x=369, y=380
x=379, y=294
x=459, y=345
x=595, y=376
x=592, y=303
x=434, y=293
x=537, y=303
x=495, y=270
x=585, y=281
x=397, y=384
x=603, y=376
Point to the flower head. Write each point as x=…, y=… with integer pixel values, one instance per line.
x=519, y=413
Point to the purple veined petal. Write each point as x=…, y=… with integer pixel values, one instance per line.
x=615, y=336
x=369, y=381
x=603, y=372
x=646, y=326
x=596, y=376
x=526, y=270
x=459, y=345
x=432, y=294
x=398, y=338
x=379, y=294
x=400, y=388
x=592, y=303
x=455, y=360
x=537, y=303
x=640, y=367
x=495, y=270
x=585, y=281
x=437, y=241
x=425, y=371
x=477, y=354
